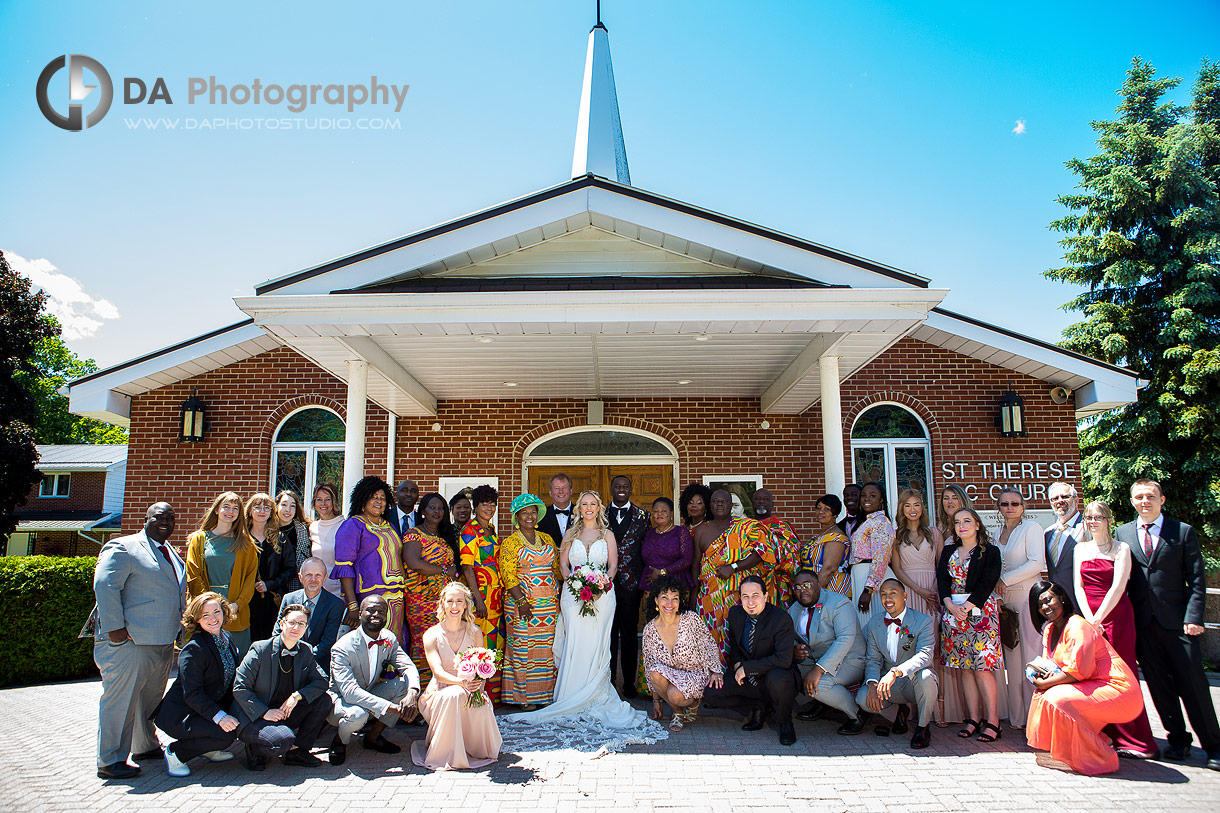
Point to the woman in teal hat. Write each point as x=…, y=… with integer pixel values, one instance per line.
x=529, y=572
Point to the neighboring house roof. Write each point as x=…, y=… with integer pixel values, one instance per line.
x=80, y=456
x=33, y=521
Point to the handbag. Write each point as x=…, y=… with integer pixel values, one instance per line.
x=1010, y=628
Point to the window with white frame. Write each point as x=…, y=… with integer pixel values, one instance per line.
x=890, y=445
x=307, y=449
x=55, y=485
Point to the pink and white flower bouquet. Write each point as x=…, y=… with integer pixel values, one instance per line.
x=586, y=584
x=477, y=663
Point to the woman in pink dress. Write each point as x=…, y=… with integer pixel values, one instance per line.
x=458, y=736
x=1081, y=686
x=1102, y=566
x=916, y=551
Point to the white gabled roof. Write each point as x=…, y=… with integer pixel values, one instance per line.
x=80, y=456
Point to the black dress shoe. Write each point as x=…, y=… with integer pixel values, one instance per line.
x=630, y=692
x=1177, y=753
x=148, y=756
x=922, y=737
x=301, y=758
x=381, y=745
x=755, y=721
x=854, y=726
x=254, y=760
x=813, y=712
x=118, y=770
x=338, y=751
x=1213, y=760
x=787, y=734
x=900, y=720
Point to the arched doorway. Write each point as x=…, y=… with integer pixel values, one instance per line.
x=592, y=456
x=890, y=445
x=307, y=449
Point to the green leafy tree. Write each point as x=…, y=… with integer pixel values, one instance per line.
x=1144, y=240
x=21, y=329
x=55, y=365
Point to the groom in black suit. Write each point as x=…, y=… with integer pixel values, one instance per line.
x=628, y=523
x=1168, y=590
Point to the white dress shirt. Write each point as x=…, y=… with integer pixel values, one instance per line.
x=891, y=634
x=406, y=519
x=374, y=653
x=1154, y=529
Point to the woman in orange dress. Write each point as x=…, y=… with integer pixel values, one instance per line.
x=1082, y=686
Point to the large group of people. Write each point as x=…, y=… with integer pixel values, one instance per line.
x=904, y=622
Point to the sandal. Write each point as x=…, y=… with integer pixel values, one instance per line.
x=657, y=710
x=971, y=728
x=690, y=714
x=985, y=737
x=677, y=722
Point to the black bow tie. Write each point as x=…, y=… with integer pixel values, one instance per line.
x=567, y=512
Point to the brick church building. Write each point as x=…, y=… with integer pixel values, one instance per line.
x=596, y=328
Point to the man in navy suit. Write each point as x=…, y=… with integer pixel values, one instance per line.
x=325, y=611
x=402, y=516
x=1168, y=590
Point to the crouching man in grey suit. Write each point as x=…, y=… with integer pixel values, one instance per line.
x=829, y=650
x=138, y=583
x=358, y=661
x=900, y=642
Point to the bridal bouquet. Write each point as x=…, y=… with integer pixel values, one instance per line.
x=477, y=662
x=586, y=584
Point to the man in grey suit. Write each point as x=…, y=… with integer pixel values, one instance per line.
x=138, y=583
x=325, y=610
x=829, y=649
x=900, y=643
x=358, y=689
x=1061, y=538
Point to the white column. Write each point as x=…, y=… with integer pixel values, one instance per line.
x=832, y=424
x=353, y=445
x=391, y=449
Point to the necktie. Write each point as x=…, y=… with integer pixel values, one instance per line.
x=1057, y=544
x=808, y=623
x=309, y=604
x=889, y=621
x=1147, y=541
x=165, y=554
x=750, y=625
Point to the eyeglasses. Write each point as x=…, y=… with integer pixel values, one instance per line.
x=1094, y=518
x=1011, y=504
x=1062, y=498
x=296, y=624
x=804, y=586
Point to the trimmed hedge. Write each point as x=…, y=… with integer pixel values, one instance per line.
x=44, y=601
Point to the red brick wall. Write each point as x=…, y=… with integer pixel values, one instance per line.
x=955, y=395
x=84, y=494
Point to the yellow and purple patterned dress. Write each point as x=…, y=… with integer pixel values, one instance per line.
x=813, y=557
x=529, y=657
x=717, y=595
x=372, y=555
x=423, y=594
x=479, y=551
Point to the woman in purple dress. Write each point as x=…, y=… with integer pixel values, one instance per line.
x=667, y=549
x=1101, y=568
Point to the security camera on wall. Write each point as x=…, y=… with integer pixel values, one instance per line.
x=1060, y=395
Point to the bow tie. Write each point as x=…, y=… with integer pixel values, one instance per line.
x=894, y=621
x=567, y=512
x=378, y=642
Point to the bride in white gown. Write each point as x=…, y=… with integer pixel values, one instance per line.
x=586, y=713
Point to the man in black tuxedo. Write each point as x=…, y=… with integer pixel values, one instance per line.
x=1061, y=538
x=628, y=523
x=760, y=674
x=558, y=516
x=1168, y=590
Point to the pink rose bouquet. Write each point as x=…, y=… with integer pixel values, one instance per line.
x=477, y=663
x=586, y=584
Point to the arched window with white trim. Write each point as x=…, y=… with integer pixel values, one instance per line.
x=307, y=449
x=890, y=445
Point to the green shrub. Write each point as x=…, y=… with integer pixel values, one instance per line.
x=44, y=601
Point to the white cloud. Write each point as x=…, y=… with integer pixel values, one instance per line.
x=79, y=313
x=1019, y=127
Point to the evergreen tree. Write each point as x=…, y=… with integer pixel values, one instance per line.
x=21, y=329
x=1144, y=239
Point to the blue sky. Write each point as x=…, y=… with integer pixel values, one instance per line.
x=880, y=128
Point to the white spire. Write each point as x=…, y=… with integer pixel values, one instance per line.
x=599, y=132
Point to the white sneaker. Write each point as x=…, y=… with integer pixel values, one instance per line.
x=175, y=766
x=218, y=756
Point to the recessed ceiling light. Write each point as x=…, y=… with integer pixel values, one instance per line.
x=510, y=383
x=485, y=340
x=683, y=380
x=702, y=338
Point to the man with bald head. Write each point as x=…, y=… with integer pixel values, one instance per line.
x=402, y=515
x=138, y=583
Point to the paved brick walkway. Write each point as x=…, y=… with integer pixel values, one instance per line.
x=48, y=747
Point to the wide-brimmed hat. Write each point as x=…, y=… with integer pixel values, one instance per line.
x=525, y=501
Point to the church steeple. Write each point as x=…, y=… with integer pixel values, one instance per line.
x=599, y=132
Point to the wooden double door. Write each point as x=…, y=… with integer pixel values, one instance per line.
x=647, y=482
